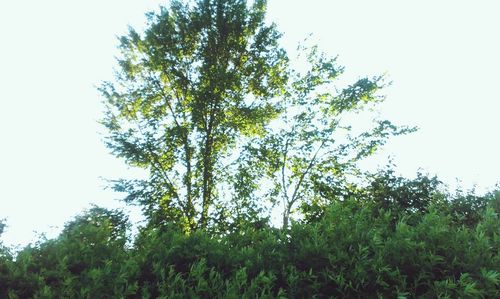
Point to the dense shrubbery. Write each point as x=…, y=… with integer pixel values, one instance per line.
x=448, y=248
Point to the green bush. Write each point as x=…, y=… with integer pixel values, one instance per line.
x=355, y=250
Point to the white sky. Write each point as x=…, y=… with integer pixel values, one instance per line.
x=442, y=57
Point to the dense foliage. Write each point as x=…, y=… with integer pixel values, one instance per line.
x=207, y=102
x=202, y=75
x=446, y=248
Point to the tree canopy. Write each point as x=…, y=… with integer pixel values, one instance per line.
x=207, y=101
x=201, y=75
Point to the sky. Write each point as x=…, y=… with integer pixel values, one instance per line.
x=441, y=56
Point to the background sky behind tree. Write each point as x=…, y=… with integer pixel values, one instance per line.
x=442, y=57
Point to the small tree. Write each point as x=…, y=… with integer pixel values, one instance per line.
x=310, y=145
x=203, y=74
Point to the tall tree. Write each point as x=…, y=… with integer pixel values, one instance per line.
x=203, y=73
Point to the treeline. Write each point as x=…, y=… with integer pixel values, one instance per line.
x=397, y=238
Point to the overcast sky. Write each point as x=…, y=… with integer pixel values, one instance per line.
x=442, y=57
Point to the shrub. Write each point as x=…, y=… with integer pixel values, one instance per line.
x=355, y=250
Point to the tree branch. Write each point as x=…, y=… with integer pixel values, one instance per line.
x=283, y=166
x=301, y=179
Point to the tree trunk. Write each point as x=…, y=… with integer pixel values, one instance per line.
x=207, y=180
x=286, y=216
x=190, y=211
